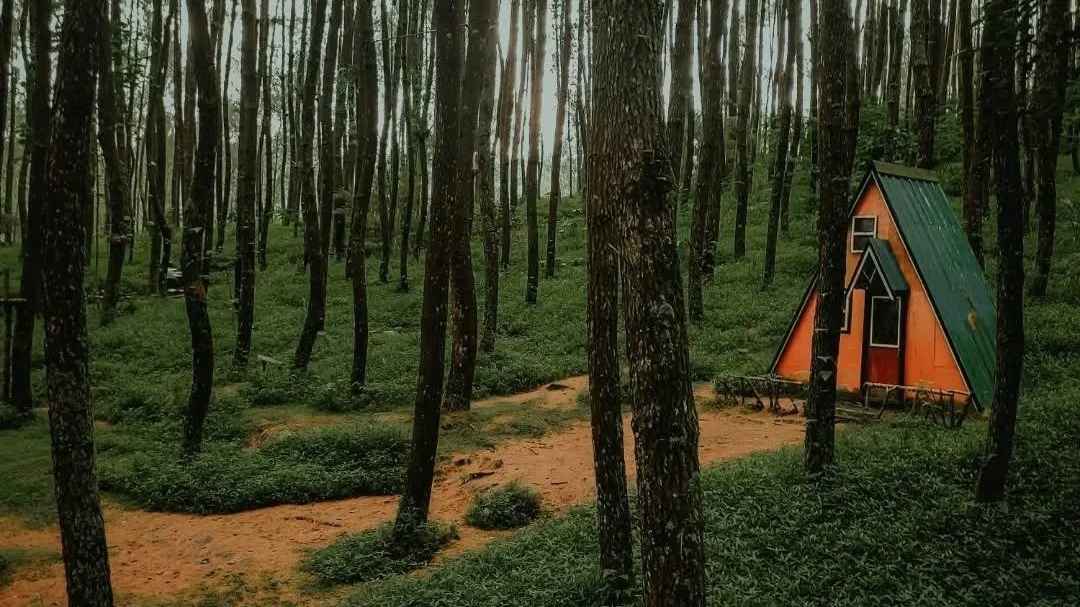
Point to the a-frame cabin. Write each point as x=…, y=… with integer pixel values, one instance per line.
x=919, y=312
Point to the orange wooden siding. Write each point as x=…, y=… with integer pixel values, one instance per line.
x=928, y=359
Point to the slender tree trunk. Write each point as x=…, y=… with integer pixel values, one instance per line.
x=198, y=206
x=532, y=175
x=713, y=168
x=247, y=184
x=999, y=44
x=410, y=89
x=783, y=138
x=834, y=27
x=896, y=54
x=116, y=168
x=1051, y=77
x=636, y=182
x=416, y=497
x=796, y=136
x=226, y=111
x=563, y=85
x=39, y=122
x=967, y=122
x=366, y=136
x=925, y=90
x=742, y=129
x=679, y=98
x=266, y=201
x=507, y=107
x=68, y=194
x=316, y=308
x=485, y=162
x=1026, y=112
x=7, y=30
x=603, y=216
x=483, y=33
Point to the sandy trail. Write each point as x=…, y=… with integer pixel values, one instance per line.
x=154, y=554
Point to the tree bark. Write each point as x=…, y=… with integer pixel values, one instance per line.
x=925, y=89
x=7, y=30
x=896, y=54
x=67, y=352
x=226, y=111
x=532, y=174
x=712, y=172
x=39, y=119
x=483, y=33
x=783, y=139
x=747, y=75
x=416, y=497
x=507, y=107
x=485, y=162
x=265, y=203
x=366, y=136
x=637, y=184
x=999, y=44
x=679, y=97
x=116, y=167
x=199, y=206
x=834, y=27
x=563, y=92
x=246, y=184
x=1051, y=77
x=316, y=308
x=603, y=215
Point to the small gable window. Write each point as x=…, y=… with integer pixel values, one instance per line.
x=862, y=230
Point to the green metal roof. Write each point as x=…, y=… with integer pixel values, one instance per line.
x=953, y=277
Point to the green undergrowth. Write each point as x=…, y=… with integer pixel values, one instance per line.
x=505, y=507
x=15, y=559
x=376, y=554
x=229, y=476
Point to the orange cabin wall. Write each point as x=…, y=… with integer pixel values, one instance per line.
x=928, y=359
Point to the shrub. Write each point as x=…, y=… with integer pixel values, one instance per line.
x=11, y=418
x=376, y=554
x=507, y=507
x=267, y=390
x=302, y=467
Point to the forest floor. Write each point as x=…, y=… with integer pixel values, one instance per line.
x=156, y=555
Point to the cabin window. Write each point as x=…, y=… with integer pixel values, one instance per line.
x=862, y=230
x=885, y=322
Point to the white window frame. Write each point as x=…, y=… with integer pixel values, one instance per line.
x=899, y=324
x=846, y=327
x=873, y=234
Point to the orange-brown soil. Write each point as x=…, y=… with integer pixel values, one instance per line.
x=154, y=555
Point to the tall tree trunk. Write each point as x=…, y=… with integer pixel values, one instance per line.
x=410, y=94
x=834, y=27
x=796, y=135
x=532, y=174
x=366, y=136
x=1026, y=111
x=389, y=108
x=416, y=497
x=247, y=183
x=39, y=120
x=226, y=111
x=265, y=202
x=1051, y=76
x=507, y=105
x=199, y=206
x=7, y=30
x=485, y=162
x=603, y=215
x=528, y=33
x=67, y=351
x=896, y=55
x=783, y=138
x=116, y=167
x=712, y=171
x=316, y=308
x=563, y=92
x=999, y=98
x=679, y=97
x=947, y=54
x=636, y=182
x=483, y=33
x=966, y=70
x=747, y=74
x=925, y=89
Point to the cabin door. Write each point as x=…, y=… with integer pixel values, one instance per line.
x=883, y=342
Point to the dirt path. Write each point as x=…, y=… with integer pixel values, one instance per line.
x=156, y=554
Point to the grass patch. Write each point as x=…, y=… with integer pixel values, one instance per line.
x=299, y=467
x=375, y=554
x=507, y=507
x=13, y=559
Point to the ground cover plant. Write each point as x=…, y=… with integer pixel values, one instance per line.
x=376, y=554
x=506, y=507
